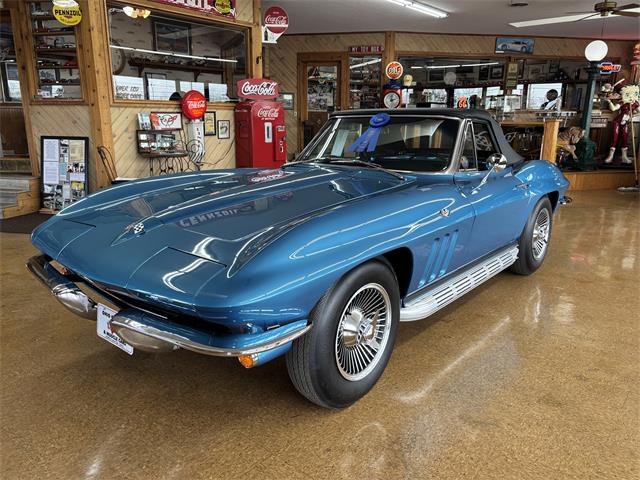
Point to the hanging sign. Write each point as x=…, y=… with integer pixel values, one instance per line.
x=194, y=105
x=223, y=8
x=366, y=49
x=607, y=68
x=275, y=23
x=394, y=70
x=67, y=12
x=257, y=88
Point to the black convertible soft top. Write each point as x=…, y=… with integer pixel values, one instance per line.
x=512, y=156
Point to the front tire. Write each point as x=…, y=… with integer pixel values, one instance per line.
x=534, y=241
x=354, y=329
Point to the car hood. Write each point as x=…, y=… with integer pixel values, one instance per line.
x=130, y=236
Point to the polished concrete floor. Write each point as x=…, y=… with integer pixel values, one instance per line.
x=526, y=378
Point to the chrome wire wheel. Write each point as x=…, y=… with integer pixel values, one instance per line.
x=541, y=230
x=363, y=332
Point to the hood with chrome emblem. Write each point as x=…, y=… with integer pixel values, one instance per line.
x=195, y=224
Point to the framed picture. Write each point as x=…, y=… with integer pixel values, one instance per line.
x=224, y=129
x=170, y=36
x=514, y=45
x=287, y=100
x=497, y=73
x=483, y=73
x=166, y=120
x=209, y=124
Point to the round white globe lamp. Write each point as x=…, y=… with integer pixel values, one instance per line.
x=596, y=51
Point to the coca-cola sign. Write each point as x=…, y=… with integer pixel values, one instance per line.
x=194, y=105
x=257, y=88
x=268, y=113
x=276, y=20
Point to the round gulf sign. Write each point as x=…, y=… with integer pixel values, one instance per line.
x=394, y=70
x=194, y=105
x=67, y=13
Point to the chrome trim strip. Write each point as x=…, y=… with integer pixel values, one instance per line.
x=122, y=322
x=442, y=295
x=65, y=291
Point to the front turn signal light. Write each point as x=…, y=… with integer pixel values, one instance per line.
x=248, y=361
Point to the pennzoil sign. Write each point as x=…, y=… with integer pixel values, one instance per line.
x=223, y=8
x=67, y=13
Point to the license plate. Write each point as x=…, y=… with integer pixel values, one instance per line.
x=105, y=314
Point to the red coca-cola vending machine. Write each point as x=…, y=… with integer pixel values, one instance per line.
x=260, y=130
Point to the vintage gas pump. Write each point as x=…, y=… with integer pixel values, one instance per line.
x=260, y=129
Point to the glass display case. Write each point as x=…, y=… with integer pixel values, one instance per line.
x=56, y=54
x=364, y=81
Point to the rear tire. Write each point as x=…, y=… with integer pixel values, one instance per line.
x=534, y=241
x=354, y=329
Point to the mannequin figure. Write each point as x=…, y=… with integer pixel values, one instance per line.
x=625, y=106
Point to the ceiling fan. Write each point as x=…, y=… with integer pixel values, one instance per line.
x=601, y=9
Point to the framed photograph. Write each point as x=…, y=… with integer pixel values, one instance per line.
x=483, y=73
x=144, y=121
x=515, y=45
x=287, y=100
x=224, y=129
x=170, y=36
x=209, y=124
x=166, y=120
x=497, y=73
x=436, y=75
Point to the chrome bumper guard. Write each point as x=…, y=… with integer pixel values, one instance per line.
x=65, y=291
x=151, y=333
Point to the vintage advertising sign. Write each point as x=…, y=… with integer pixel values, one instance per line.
x=166, y=120
x=366, y=49
x=257, y=88
x=394, y=70
x=223, y=8
x=274, y=24
x=67, y=12
x=607, y=68
x=194, y=105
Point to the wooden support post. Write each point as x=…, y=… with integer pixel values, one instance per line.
x=550, y=139
x=257, y=62
x=96, y=75
x=389, y=54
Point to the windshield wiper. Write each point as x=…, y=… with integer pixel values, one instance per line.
x=359, y=161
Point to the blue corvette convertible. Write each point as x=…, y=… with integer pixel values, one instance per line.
x=383, y=218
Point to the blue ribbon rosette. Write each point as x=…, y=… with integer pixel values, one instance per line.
x=368, y=140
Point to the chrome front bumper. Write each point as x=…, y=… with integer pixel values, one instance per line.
x=152, y=333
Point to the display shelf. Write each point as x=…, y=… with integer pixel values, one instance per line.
x=56, y=45
x=141, y=65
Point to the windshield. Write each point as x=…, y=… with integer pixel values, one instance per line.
x=411, y=144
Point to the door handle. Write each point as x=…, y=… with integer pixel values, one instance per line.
x=523, y=186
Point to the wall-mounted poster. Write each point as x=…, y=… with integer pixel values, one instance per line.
x=224, y=129
x=170, y=36
x=209, y=124
x=514, y=45
x=64, y=170
x=166, y=120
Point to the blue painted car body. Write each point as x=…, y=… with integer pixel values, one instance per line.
x=248, y=251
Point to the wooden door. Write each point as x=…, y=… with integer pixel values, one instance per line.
x=320, y=84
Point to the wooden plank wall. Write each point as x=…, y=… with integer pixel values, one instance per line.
x=282, y=57
x=219, y=153
x=283, y=65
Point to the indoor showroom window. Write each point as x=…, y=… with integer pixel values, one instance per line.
x=159, y=57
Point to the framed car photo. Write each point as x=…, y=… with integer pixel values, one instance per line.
x=515, y=45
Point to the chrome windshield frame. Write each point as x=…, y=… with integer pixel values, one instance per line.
x=330, y=124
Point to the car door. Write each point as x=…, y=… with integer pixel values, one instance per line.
x=498, y=202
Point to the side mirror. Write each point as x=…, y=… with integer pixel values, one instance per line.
x=497, y=161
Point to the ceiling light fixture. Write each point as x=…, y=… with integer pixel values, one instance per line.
x=421, y=7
